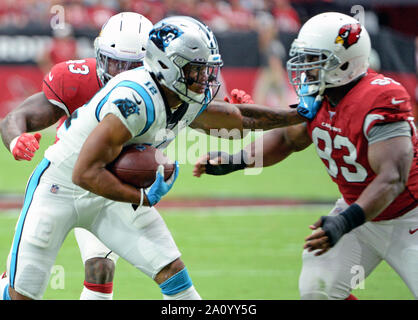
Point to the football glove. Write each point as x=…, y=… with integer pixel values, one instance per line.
x=239, y=97
x=336, y=226
x=308, y=105
x=24, y=146
x=160, y=187
x=229, y=163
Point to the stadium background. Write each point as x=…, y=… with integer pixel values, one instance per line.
x=240, y=235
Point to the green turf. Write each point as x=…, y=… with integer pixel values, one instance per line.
x=230, y=254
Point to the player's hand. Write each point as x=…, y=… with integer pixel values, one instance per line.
x=332, y=229
x=25, y=146
x=219, y=163
x=239, y=97
x=308, y=105
x=160, y=187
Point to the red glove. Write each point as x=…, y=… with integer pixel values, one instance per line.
x=24, y=146
x=239, y=97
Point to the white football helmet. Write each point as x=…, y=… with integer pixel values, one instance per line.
x=121, y=44
x=331, y=50
x=182, y=43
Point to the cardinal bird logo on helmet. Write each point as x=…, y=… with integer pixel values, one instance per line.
x=348, y=35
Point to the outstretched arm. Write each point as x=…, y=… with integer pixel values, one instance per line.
x=221, y=115
x=35, y=113
x=276, y=145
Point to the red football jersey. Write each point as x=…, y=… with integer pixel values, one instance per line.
x=71, y=84
x=339, y=135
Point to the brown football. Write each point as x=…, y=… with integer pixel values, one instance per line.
x=137, y=164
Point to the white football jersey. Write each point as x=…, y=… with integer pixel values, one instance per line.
x=134, y=97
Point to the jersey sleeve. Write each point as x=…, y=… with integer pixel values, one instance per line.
x=131, y=109
x=390, y=105
x=53, y=87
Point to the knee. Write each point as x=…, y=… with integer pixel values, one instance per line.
x=169, y=270
x=99, y=270
x=320, y=286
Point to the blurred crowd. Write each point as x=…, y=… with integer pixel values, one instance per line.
x=219, y=14
x=265, y=17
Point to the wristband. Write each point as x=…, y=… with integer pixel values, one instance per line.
x=235, y=162
x=13, y=144
x=142, y=197
x=354, y=216
x=135, y=206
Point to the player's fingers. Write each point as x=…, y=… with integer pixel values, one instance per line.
x=160, y=171
x=234, y=92
x=246, y=98
x=198, y=169
x=202, y=159
x=25, y=156
x=321, y=252
x=174, y=175
x=321, y=243
x=25, y=151
x=37, y=136
x=316, y=235
x=317, y=224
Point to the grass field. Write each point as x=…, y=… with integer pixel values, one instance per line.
x=247, y=253
x=230, y=254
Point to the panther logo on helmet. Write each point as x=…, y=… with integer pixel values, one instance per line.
x=164, y=35
x=348, y=35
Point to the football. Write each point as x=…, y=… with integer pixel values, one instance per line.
x=137, y=165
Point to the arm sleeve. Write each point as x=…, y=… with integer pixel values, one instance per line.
x=381, y=132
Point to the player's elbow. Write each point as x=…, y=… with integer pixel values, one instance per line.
x=82, y=178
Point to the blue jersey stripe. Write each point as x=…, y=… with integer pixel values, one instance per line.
x=30, y=190
x=149, y=104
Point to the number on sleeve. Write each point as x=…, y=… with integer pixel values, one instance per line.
x=83, y=69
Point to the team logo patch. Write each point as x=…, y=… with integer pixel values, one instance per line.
x=348, y=35
x=127, y=107
x=54, y=189
x=163, y=35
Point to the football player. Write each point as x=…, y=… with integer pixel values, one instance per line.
x=120, y=46
x=365, y=135
x=173, y=89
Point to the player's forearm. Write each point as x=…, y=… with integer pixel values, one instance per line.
x=34, y=114
x=262, y=117
x=103, y=183
x=380, y=193
x=13, y=125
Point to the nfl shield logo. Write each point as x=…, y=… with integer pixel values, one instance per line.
x=54, y=188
